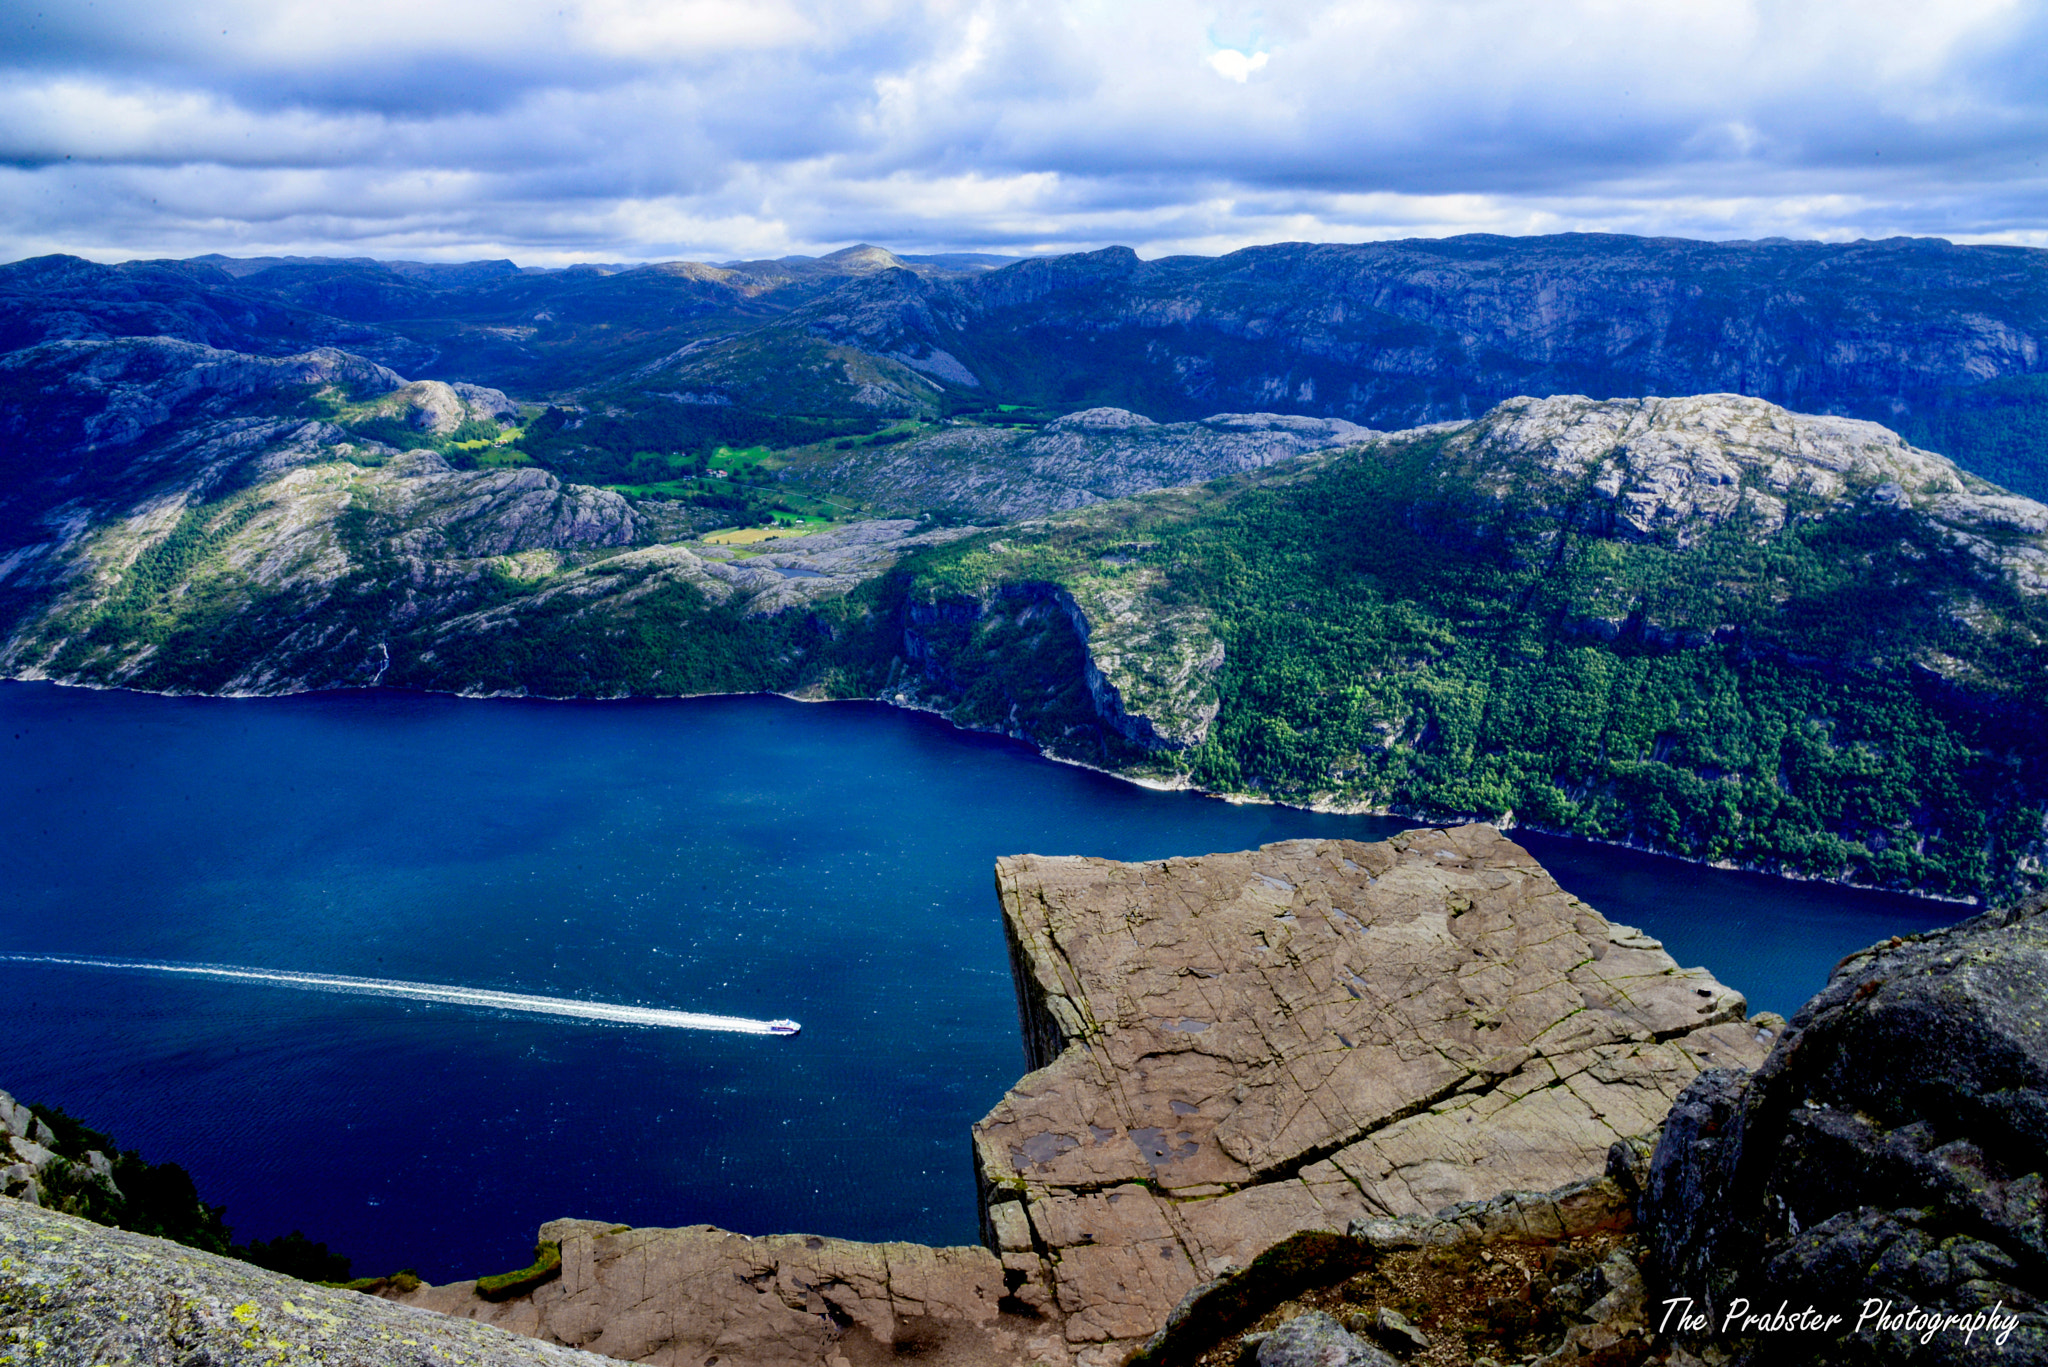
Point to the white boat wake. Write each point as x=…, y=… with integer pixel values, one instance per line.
x=434, y=992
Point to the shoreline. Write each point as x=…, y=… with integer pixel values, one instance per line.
x=1505, y=825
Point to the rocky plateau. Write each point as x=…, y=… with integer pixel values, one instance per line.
x=995, y=474
x=1227, y=1050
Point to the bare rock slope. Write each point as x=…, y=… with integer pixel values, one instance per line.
x=1891, y=1151
x=1230, y=1049
x=1099, y=454
x=75, y=1294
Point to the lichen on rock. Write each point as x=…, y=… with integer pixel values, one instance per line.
x=76, y=1294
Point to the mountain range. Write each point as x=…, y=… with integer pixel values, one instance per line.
x=1942, y=342
x=1593, y=534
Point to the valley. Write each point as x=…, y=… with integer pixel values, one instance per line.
x=1714, y=625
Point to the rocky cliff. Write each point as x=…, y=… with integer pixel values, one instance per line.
x=1231, y=1048
x=1227, y=1050
x=1885, y=1164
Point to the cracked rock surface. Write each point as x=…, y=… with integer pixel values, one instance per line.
x=1228, y=1050
x=682, y=1297
x=1234, y=1047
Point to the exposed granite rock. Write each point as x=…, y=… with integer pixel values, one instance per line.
x=999, y=474
x=76, y=1294
x=1234, y=1047
x=1526, y=1277
x=1893, y=1147
x=27, y=1151
x=1673, y=469
x=1233, y=1052
x=685, y=1296
x=1316, y=1340
x=439, y=408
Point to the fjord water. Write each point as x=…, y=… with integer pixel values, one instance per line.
x=749, y=857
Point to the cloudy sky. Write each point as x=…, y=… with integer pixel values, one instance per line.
x=554, y=131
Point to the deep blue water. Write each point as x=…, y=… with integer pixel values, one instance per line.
x=744, y=856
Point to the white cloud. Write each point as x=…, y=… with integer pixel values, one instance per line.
x=1233, y=65
x=634, y=129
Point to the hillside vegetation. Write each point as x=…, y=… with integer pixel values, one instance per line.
x=1708, y=626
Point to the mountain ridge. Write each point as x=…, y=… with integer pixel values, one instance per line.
x=1706, y=625
x=1945, y=342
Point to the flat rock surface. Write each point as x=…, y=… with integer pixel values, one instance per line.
x=73, y=1294
x=1000, y=474
x=1234, y=1047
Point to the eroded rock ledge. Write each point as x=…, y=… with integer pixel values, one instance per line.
x=1238, y=1046
x=1228, y=1049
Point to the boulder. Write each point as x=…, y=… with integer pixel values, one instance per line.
x=1885, y=1163
x=1316, y=1340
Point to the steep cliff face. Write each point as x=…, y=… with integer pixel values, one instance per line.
x=1095, y=676
x=1232, y=1048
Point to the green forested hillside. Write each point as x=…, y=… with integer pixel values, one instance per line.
x=1708, y=626
x=1853, y=697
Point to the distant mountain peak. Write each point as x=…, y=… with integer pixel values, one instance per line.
x=865, y=256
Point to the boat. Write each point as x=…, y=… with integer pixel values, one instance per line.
x=783, y=1027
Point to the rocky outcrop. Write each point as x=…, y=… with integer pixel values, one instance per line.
x=685, y=1296
x=1503, y=1276
x=1671, y=470
x=434, y=407
x=101, y=395
x=1231, y=1048
x=76, y=1294
x=1317, y=1035
x=32, y=1170
x=1002, y=474
x=1886, y=1163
